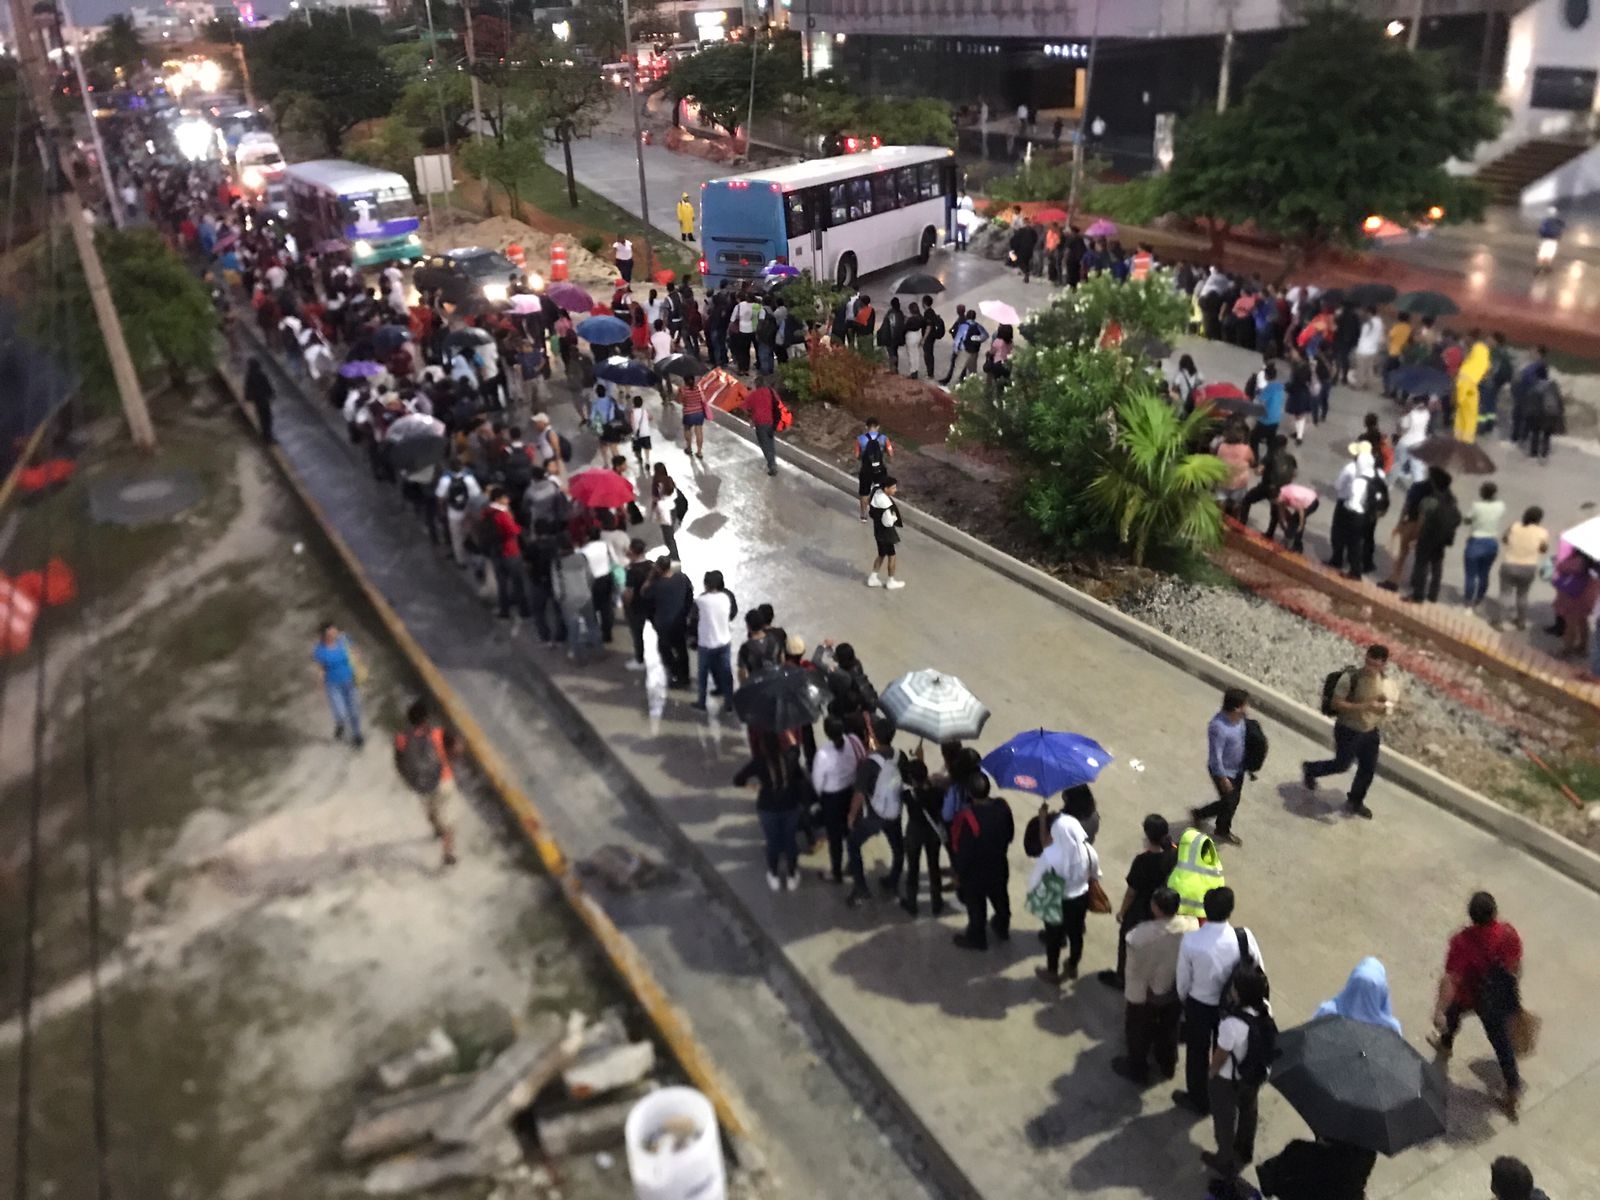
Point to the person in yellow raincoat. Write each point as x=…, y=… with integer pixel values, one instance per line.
x=686, y=218
x=1471, y=374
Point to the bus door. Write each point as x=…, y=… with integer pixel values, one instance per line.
x=803, y=215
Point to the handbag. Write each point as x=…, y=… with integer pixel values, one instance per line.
x=635, y=515
x=1523, y=1028
x=358, y=667
x=1099, y=902
x=1044, y=901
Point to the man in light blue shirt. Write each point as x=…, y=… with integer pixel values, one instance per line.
x=1271, y=397
x=1225, y=763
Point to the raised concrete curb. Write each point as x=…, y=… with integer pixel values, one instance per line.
x=669, y=1021
x=1549, y=847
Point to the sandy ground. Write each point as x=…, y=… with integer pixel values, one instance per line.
x=279, y=920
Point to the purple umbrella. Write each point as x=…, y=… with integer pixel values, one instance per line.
x=1101, y=228
x=570, y=297
x=778, y=270
x=360, y=369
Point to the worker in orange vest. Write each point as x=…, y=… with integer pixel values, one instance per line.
x=1142, y=262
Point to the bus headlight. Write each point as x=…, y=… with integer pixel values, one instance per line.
x=362, y=248
x=496, y=292
x=413, y=240
x=253, y=179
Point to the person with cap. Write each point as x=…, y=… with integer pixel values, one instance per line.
x=685, y=218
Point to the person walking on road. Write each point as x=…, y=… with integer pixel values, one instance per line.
x=873, y=454
x=695, y=413
x=1482, y=968
x=762, y=405
x=1150, y=1021
x=622, y=254
x=1225, y=764
x=338, y=662
x=258, y=390
x=875, y=808
x=1362, y=699
x=1550, y=231
x=715, y=609
x=668, y=507
x=422, y=757
x=980, y=838
x=885, y=533
x=685, y=218
x=1206, y=961
x=1058, y=894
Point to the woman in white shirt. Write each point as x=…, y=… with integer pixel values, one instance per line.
x=1075, y=861
x=833, y=776
x=599, y=555
x=1411, y=432
x=644, y=428
x=1184, y=382
x=1483, y=542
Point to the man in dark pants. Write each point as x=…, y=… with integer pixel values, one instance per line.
x=762, y=405
x=634, y=605
x=1206, y=960
x=670, y=598
x=1481, y=969
x=1225, y=763
x=1438, y=517
x=1362, y=701
x=874, y=809
x=980, y=837
x=932, y=331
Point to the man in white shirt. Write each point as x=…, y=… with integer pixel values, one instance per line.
x=1206, y=961
x=1350, y=516
x=622, y=253
x=715, y=608
x=456, y=490
x=1371, y=350
x=660, y=342
x=742, y=331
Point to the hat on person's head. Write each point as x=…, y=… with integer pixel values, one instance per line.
x=796, y=645
x=541, y=418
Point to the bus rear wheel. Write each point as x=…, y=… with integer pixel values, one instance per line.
x=929, y=238
x=846, y=273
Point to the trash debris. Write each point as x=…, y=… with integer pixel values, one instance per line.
x=624, y=870
x=433, y=1057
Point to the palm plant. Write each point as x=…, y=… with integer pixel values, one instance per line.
x=1150, y=486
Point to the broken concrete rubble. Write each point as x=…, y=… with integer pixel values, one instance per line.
x=580, y=1130
x=416, y=1173
x=401, y=1121
x=510, y=1083
x=435, y=1056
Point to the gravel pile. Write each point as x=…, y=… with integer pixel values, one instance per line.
x=1293, y=656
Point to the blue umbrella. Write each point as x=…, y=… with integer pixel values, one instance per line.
x=627, y=371
x=778, y=270
x=603, y=331
x=360, y=368
x=1045, y=762
x=389, y=338
x=1419, y=381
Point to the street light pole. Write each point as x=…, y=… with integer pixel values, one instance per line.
x=114, y=201
x=438, y=84
x=472, y=76
x=1225, y=72
x=638, y=138
x=1088, y=91
x=1414, y=34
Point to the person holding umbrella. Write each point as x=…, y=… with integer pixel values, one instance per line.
x=1058, y=894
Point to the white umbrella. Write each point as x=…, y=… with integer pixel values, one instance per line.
x=999, y=310
x=934, y=706
x=1585, y=537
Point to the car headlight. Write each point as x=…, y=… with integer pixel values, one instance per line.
x=496, y=292
x=536, y=281
x=413, y=240
x=252, y=178
x=362, y=248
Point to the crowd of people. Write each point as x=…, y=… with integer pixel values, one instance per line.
x=500, y=498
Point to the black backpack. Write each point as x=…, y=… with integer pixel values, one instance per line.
x=935, y=326
x=1329, y=684
x=419, y=763
x=1260, y=1050
x=564, y=446
x=457, y=497
x=973, y=341
x=873, y=458
x=680, y=507
x=1255, y=746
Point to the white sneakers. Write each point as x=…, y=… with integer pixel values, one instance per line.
x=873, y=580
x=892, y=584
x=634, y=665
x=793, y=881
x=773, y=882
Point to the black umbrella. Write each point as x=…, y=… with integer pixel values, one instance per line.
x=685, y=365
x=1360, y=1083
x=1370, y=295
x=626, y=371
x=1147, y=345
x=785, y=698
x=1235, y=406
x=414, y=453
x=1459, y=458
x=918, y=285
x=1426, y=304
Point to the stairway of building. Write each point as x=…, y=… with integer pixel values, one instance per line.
x=1507, y=175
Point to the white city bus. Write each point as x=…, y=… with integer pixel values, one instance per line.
x=837, y=217
x=371, y=211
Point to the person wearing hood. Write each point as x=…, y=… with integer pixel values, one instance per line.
x=1364, y=997
x=885, y=514
x=1469, y=378
x=685, y=218
x=1058, y=894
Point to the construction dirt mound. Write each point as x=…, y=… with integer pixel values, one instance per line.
x=498, y=232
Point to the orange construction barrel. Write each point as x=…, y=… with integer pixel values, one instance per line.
x=515, y=253
x=558, y=262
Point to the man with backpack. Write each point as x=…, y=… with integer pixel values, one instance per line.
x=892, y=334
x=1438, y=517
x=456, y=490
x=1208, y=959
x=1225, y=755
x=1359, y=700
x=874, y=809
x=1247, y=1042
x=969, y=338
x=422, y=758
x=933, y=330
x=873, y=452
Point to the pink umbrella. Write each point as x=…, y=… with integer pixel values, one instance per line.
x=522, y=302
x=999, y=310
x=1101, y=228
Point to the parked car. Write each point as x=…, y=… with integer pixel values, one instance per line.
x=466, y=273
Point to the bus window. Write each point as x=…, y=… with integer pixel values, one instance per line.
x=906, y=184
x=883, y=192
x=837, y=206
x=860, y=198
x=928, y=173
x=799, y=214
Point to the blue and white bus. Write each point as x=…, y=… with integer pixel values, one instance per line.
x=371, y=211
x=837, y=217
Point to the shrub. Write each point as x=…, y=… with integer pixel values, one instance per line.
x=794, y=382
x=593, y=243
x=840, y=375
x=1079, y=317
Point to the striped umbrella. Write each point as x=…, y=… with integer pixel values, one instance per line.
x=934, y=706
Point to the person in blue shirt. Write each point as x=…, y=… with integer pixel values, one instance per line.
x=1271, y=397
x=333, y=655
x=1225, y=763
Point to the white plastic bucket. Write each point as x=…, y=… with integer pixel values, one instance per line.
x=696, y=1171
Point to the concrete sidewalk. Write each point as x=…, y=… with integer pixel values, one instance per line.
x=1012, y=1083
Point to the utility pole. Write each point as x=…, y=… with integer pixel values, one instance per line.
x=638, y=138
x=244, y=73
x=438, y=83
x=1088, y=92
x=113, y=201
x=472, y=59
x=35, y=72
x=1414, y=34
x=750, y=110
x=1225, y=73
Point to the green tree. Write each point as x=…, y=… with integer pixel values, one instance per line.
x=1341, y=123
x=506, y=160
x=718, y=79
x=391, y=144
x=1143, y=309
x=597, y=24
x=118, y=46
x=567, y=101
x=1149, y=486
x=332, y=79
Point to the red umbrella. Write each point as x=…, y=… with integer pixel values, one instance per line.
x=665, y=276
x=1046, y=215
x=600, y=488
x=1218, y=391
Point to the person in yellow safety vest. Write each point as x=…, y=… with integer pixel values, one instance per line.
x=1143, y=261
x=1199, y=870
x=686, y=218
